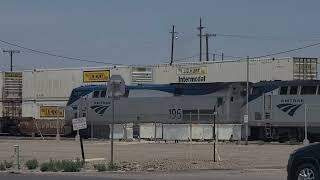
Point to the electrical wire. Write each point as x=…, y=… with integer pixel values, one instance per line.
x=55, y=55
x=287, y=51
x=265, y=37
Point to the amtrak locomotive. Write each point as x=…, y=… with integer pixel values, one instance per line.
x=167, y=103
x=277, y=109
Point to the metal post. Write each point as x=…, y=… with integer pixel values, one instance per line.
x=247, y=105
x=190, y=120
x=214, y=134
x=77, y=138
x=17, y=156
x=207, y=46
x=190, y=150
x=112, y=125
x=305, y=141
x=58, y=125
x=155, y=131
x=91, y=121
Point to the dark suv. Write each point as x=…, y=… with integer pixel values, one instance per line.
x=304, y=163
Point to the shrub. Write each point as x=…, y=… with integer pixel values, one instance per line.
x=79, y=163
x=8, y=164
x=32, y=164
x=100, y=167
x=64, y=165
x=70, y=166
x=49, y=166
x=2, y=166
x=44, y=167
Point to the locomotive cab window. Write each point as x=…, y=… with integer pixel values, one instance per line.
x=95, y=94
x=294, y=90
x=284, y=90
x=308, y=90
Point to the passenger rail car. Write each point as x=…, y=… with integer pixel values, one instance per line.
x=278, y=110
x=165, y=103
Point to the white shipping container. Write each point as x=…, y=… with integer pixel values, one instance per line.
x=57, y=84
x=225, y=71
x=147, y=130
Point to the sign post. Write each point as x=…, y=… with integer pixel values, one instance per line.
x=78, y=124
x=58, y=125
x=214, y=134
x=246, y=121
x=115, y=89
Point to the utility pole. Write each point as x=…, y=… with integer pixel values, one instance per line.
x=222, y=56
x=172, y=43
x=112, y=125
x=11, y=52
x=200, y=29
x=207, y=44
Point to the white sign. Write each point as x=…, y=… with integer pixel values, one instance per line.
x=245, y=118
x=79, y=123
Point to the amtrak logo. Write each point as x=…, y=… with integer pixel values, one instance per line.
x=100, y=109
x=290, y=108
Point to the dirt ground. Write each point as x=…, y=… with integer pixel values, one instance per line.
x=151, y=156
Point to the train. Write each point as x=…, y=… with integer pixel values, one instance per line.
x=278, y=110
x=176, y=103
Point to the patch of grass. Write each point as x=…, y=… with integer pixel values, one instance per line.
x=64, y=165
x=112, y=167
x=100, y=167
x=8, y=164
x=32, y=164
x=2, y=166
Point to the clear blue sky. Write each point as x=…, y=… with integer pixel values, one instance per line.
x=137, y=31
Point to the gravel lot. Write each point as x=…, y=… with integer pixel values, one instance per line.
x=150, y=156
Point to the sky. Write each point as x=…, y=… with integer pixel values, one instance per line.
x=137, y=31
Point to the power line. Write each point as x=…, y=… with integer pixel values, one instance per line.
x=56, y=55
x=286, y=51
x=264, y=37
